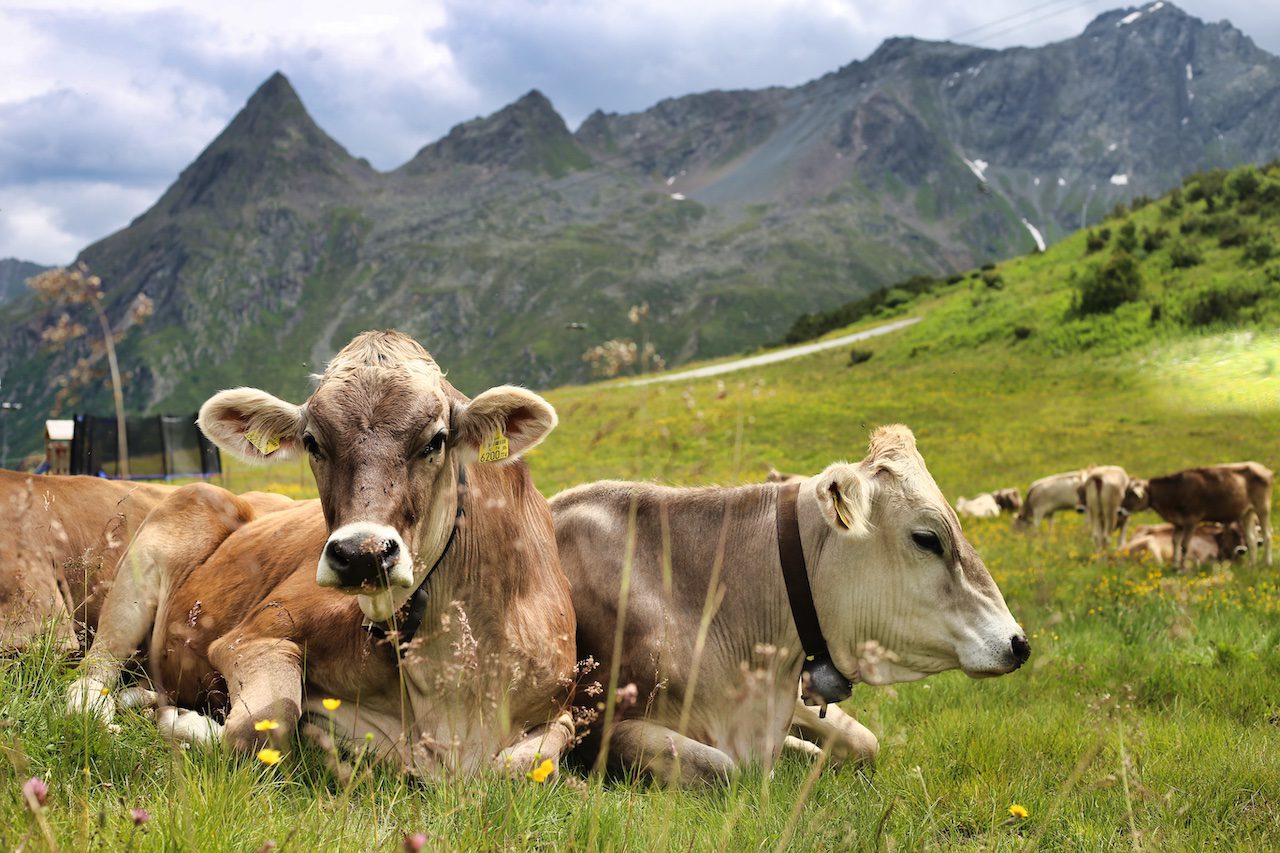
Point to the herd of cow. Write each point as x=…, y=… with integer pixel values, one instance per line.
x=1218, y=512
x=432, y=607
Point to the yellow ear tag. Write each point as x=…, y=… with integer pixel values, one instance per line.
x=842, y=513
x=496, y=449
x=266, y=444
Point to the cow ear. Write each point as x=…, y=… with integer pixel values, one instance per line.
x=844, y=497
x=501, y=424
x=252, y=425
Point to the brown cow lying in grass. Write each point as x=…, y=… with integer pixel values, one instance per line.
x=63, y=539
x=688, y=585
x=422, y=590
x=1210, y=542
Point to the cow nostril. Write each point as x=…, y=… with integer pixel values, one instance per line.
x=340, y=553
x=1021, y=648
x=390, y=554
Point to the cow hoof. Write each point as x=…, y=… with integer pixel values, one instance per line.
x=91, y=696
x=179, y=726
x=522, y=759
x=137, y=697
x=802, y=746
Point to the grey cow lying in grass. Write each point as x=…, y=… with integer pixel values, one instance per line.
x=708, y=636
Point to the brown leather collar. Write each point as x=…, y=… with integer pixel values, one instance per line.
x=820, y=681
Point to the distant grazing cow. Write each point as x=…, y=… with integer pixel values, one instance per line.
x=883, y=553
x=422, y=589
x=1047, y=496
x=1102, y=494
x=1209, y=543
x=63, y=539
x=1238, y=492
x=990, y=504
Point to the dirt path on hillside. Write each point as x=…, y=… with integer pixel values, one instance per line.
x=776, y=355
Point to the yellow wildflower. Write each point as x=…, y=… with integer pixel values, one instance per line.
x=266, y=726
x=331, y=704
x=269, y=756
x=540, y=773
x=1018, y=811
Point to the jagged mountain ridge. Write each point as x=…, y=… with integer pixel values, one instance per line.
x=13, y=276
x=729, y=212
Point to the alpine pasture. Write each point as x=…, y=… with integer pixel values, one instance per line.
x=1148, y=716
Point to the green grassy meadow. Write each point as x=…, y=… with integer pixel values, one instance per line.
x=1148, y=717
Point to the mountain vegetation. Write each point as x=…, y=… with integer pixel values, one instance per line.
x=513, y=245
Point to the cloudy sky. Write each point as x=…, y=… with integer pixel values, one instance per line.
x=103, y=102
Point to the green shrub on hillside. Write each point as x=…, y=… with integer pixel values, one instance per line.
x=1183, y=255
x=1096, y=241
x=1115, y=283
x=1127, y=237
x=1233, y=233
x=1221, y=304
x=1206, y=186
x=1259, y=251
x=1267, y=201
x=1243, y=183
x=1152, y=240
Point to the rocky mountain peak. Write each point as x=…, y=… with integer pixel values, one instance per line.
x=527, y=135
x=271, y=147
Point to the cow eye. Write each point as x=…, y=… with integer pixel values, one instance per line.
x=310, y=445
x=927, y=540
x=435, y=444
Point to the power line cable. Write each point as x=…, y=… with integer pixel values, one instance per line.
x=1014, y=16
x=1035, y=20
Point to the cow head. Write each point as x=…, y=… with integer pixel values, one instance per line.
x=1137, y=496
x=386, y=436
x=1232, y=542
x=889, y=564
x=1009, y=500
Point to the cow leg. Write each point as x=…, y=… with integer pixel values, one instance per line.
x=1097, y=523
x=547, y=741
x=848, y=739
x=1264, y=521
x=1181, y=539
x=179, y=725
x=1246, y=523
x=807, y=748
x=264, y=684
x=666, y=754
x=182, y=531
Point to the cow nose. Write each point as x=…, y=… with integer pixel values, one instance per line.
x=358, y=560
x=1021, y=648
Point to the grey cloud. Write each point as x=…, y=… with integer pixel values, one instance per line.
x=508, y=49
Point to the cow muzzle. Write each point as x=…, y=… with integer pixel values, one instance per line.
x=999, y=658
x=365, y=557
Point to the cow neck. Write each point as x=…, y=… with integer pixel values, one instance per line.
x=820, y=681
x=406, y=629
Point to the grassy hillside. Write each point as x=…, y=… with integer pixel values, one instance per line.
x=1148, y=717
